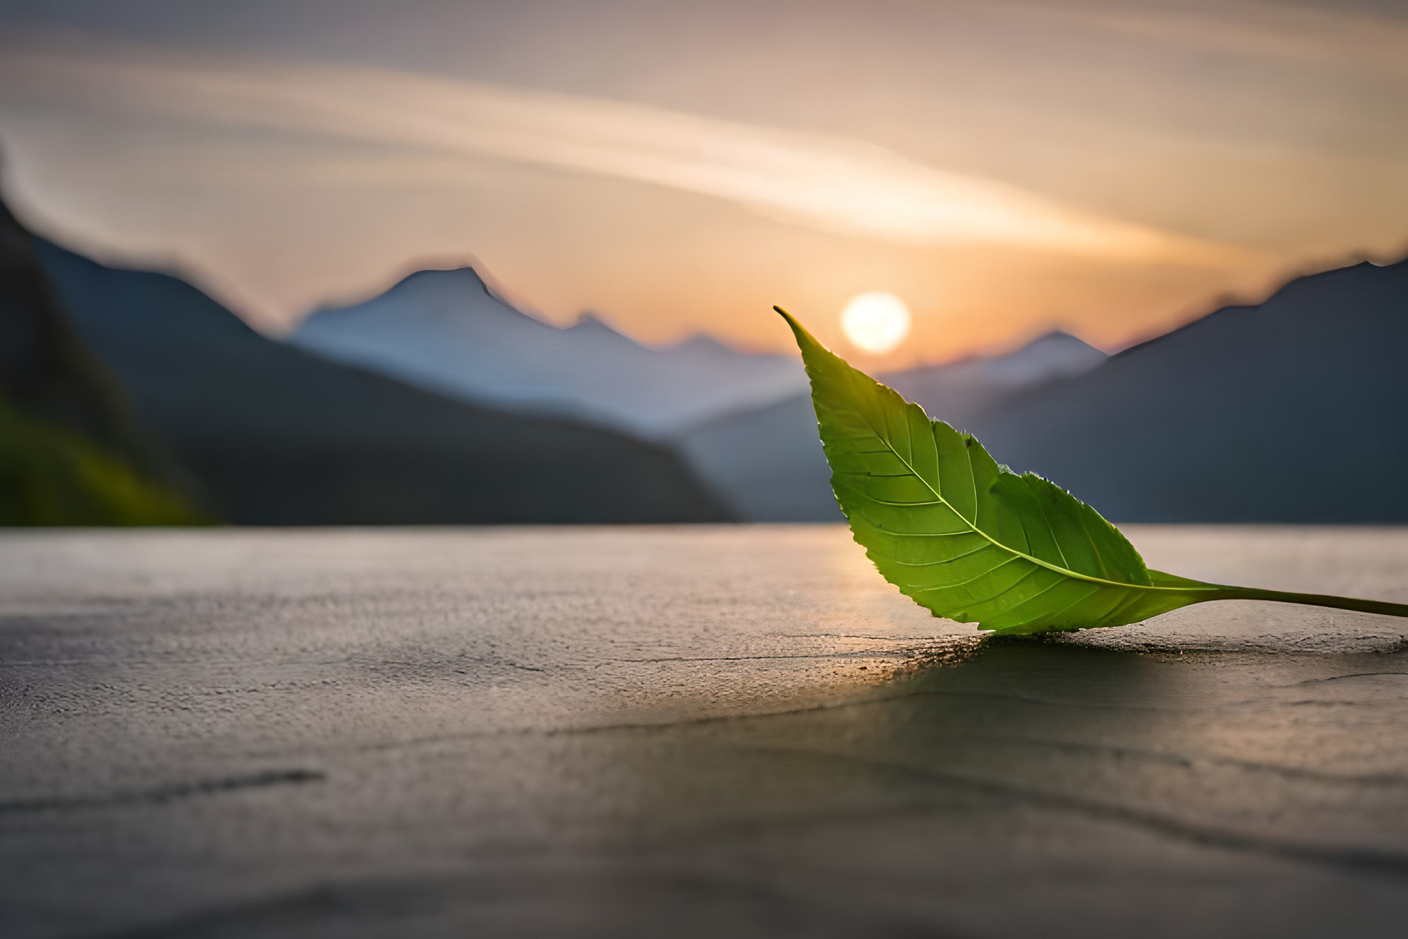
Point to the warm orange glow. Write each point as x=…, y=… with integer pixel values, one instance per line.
x=678, y=196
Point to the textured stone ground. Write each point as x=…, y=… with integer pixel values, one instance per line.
x=685, y=732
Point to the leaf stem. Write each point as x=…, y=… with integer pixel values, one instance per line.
x=1381, y=607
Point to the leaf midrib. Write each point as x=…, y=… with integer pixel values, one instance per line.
x=1075, y=575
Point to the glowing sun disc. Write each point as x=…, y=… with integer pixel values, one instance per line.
x=876, y=322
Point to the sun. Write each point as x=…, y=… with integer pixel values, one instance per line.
x=875, y=322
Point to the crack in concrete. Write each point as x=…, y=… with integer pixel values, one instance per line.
x=170, y=792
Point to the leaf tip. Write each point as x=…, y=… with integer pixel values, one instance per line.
x=799, y=331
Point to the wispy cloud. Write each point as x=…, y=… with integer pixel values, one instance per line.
x=825, y=182
x=1330, y=35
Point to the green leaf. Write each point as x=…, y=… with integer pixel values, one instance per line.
x=974, y=542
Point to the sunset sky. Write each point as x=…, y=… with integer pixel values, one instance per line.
x=1004, y=167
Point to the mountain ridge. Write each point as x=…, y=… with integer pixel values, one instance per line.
x=1219, y=420
x=474, y=345
x=1215, y=421
x=274, y=435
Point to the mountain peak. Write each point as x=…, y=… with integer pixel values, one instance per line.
x=442, y=278
x=448, y=294
x=590, y=323
x=1047, y=356
x=588, y=319
x=1058, y=339
x=703, y=344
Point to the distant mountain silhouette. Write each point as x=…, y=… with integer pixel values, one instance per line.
x=274, y=435
x=1286, y=411
x=1294, y=410
x=445, y=330
x=960, y=390
x=45, y=369
x=768, y=460
x=71, y=452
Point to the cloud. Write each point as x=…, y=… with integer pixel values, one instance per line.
x=1327, y=35
x=830, y=183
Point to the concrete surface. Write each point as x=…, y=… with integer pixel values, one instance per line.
x=682, y=732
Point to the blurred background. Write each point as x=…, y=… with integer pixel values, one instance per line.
x=295, y=262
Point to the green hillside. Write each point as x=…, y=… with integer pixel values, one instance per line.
x=53, y=476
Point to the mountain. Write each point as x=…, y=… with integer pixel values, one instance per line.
x=1292, y=410
x=447, y=331
x=768, y=462
x=274, y=435
x=958, y=391
x=71, y=452
x=46, y=370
